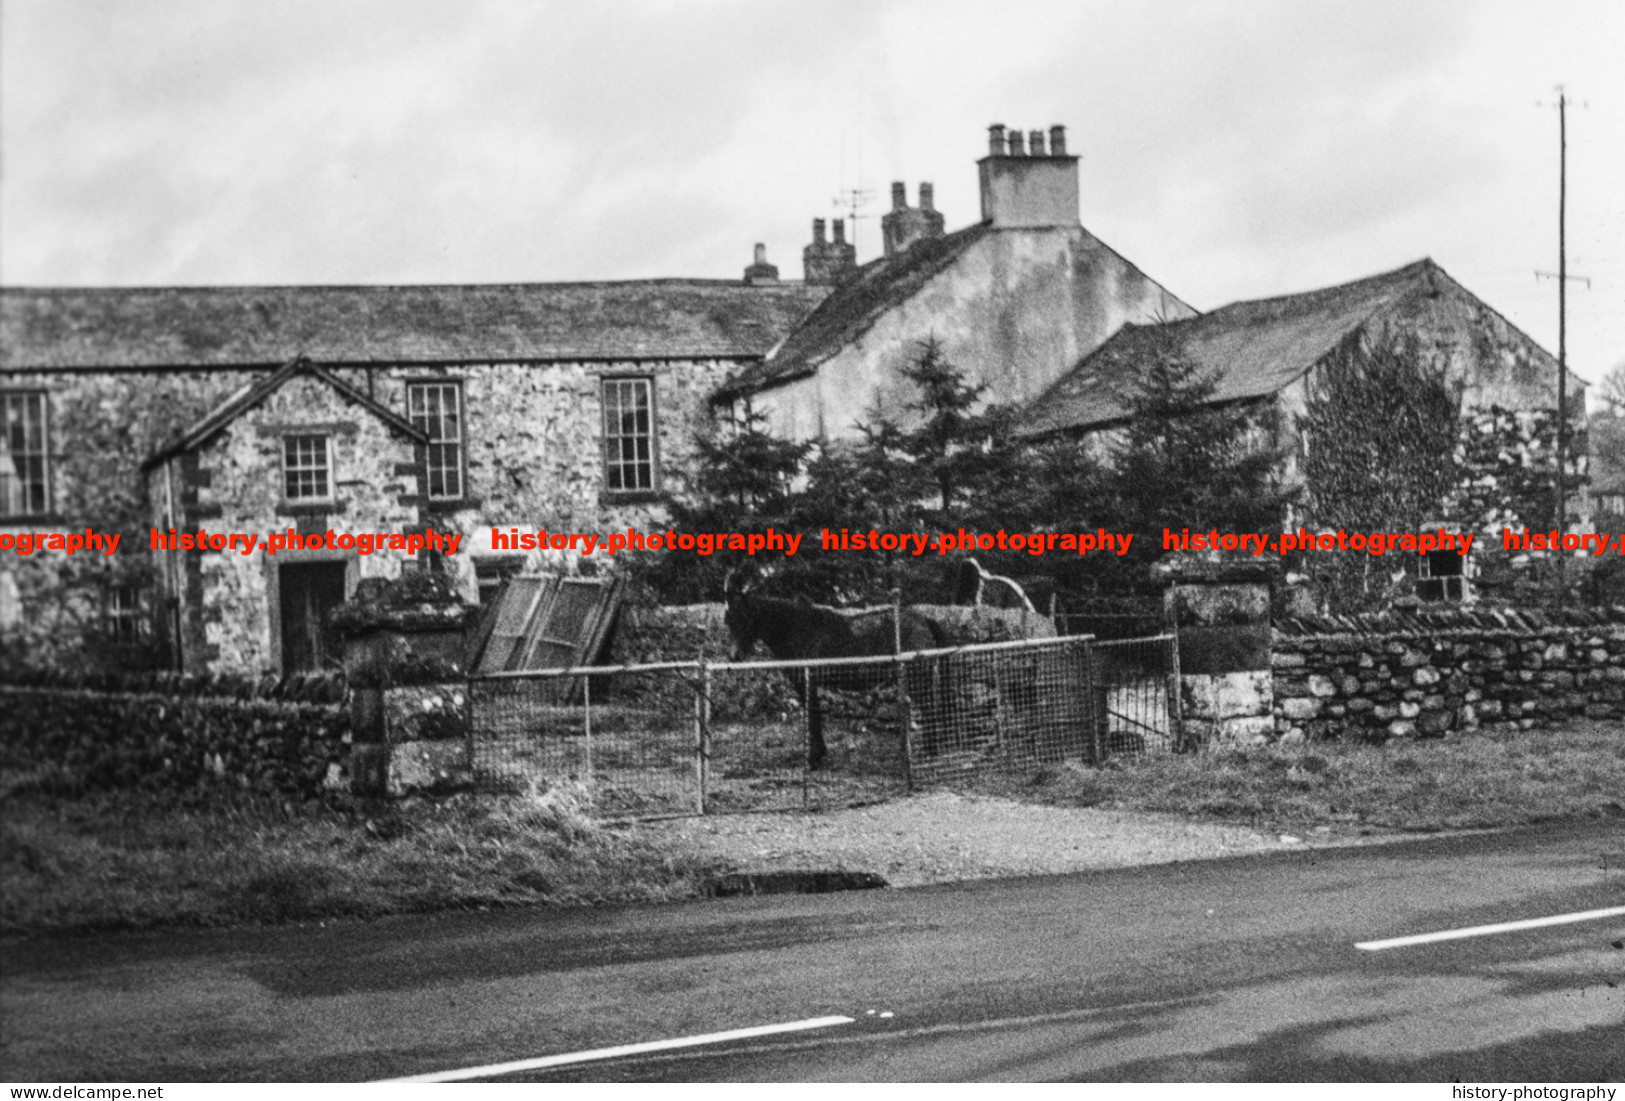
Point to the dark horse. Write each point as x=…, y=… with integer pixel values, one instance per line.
x=796, y=630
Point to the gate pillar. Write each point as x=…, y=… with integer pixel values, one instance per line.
x=1218, y=606
x=403, y=645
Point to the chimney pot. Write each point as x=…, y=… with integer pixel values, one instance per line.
x=927, y=196
x=899, y=196
x=840, y=231
x=995, y=140
x=818, y=230
x=761, y=272
x=1029, y=186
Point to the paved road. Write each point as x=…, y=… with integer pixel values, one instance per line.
x=1230, y=969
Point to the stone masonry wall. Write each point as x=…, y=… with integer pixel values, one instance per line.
x=535, y=455
x=534, y=435
x=168, y=732
x=1434, y=674
x=229, y=605
x=102, y=424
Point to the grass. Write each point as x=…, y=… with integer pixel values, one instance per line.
x=128, y=860
x=76, y=861
x=1481, y=780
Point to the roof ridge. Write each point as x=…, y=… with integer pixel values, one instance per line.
x=1420, y=265
x=246, y=397
x=236, y=288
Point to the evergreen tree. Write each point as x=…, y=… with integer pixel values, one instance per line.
x=1183, y=461
x=958, y=462
x=744, y=481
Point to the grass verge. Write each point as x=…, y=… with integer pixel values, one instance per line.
x=1481, y=780
x=128, y=860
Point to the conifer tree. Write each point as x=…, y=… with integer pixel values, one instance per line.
x=1185, y=461
x=744, y=481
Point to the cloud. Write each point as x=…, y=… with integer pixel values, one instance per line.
x=1235, y=150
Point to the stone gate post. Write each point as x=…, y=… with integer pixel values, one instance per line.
x=1218, y=605
x=403, y=651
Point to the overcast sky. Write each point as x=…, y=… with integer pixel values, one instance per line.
x=1232, y=150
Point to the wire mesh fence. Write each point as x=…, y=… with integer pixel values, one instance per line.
x=1138, y=685
x=692, y=737
x=1002, y=708
x=632, y=736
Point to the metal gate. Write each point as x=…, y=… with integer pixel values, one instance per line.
x=695, y=737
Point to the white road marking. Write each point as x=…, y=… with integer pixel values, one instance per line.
x=494, y=1069
x=1487, y=930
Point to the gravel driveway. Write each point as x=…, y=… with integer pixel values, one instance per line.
x=941, y=836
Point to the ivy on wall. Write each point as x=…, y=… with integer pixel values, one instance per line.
x=1380, y=431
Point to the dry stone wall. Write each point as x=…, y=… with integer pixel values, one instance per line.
x=1434, y=674
x=168, y=732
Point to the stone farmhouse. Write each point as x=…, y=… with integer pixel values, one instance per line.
x=451, y=410
x=356, y=410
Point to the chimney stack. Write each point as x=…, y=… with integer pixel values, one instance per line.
x=905, y=224
x=1026, y=186
x=828, y=262
x=761, y=273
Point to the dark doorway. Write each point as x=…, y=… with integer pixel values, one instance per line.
x=309, y=590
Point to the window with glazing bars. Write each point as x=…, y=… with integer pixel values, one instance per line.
x=436, y=410
x=305, y=468
x=124, y=615
x=24, y=488
x=629, y=458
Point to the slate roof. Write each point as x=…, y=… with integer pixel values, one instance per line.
x=58, y=328
x=1255, y=348
x=853, y=307
x=211, y=424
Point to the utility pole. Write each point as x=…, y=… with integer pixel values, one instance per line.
x=1562, y=332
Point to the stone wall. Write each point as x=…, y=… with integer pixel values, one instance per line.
x=102, y=425
x=535, y=455
x=1436, y=673
x=169, y=732
x=534, y=459
x=229, y=619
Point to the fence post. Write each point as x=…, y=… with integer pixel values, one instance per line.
x=1099, y=706
x=702, y=729
x=903, y=713
x=902, y=686
x=586, y=718
x=806, y=728
x=1176, y=718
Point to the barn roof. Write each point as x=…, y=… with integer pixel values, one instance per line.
x=1252, y=349
x=146, y=327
